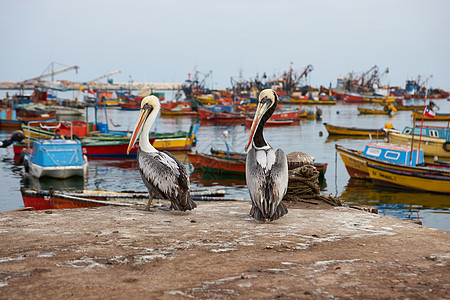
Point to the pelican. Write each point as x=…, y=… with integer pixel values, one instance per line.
x=161, y=172
x=266, y=170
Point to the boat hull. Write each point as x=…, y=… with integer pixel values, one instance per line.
x=356, y=164
x=58, y=172
x=353, y=131
x=409, y=180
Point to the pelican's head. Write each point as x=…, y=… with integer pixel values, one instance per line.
x=267, y=99
x=148, y=105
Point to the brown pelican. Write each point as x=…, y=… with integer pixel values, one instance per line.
x=161, y=172
x=266, y=169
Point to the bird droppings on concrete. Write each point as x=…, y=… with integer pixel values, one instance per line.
x=114, y=252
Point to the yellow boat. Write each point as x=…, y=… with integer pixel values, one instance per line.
x=356, y=161
x=329, y=101
x=438, y=117
x=353, y=131
x=372, y=111
x=431, y=146
x=173, y=144
x=391, y=176
x=207, y=99
x=388, y=99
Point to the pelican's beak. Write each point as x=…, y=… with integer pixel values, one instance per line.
x=261, y=109
x=143, y=115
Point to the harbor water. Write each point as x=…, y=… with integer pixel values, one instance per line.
x=309, y=136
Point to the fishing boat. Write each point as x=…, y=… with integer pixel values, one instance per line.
x=437, y=117
x=95, y=148
x=386, y=155
x=272, y=122
x=180, y=140
x=434, y=141
x=305, y=100
x=224, y=162
x=373, y=111
x=10, y=120
x=178, y=110
x=408, y=179
x=41, y=200
x=404, y=107
x=352, y=97
x=218, y=164
x=219, y=113
x=56, y=158
x=354, y=131
x=379, y=99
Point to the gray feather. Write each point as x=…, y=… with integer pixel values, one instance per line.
x=165, y=176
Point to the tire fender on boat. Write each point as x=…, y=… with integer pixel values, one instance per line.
x=446, y=146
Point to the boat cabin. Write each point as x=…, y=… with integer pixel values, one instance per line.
x=393, y=153
x=56, y=153
x=428, y=131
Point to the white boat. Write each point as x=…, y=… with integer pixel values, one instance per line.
x=56, y=158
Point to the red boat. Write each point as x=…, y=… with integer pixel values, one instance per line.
x=353, y=97
x=98, y=149
x=9, y=120
x=130, y=105
x=40, y=200
x=208, y=114
x=270, y=122
x=235, y=164
x=215, y=164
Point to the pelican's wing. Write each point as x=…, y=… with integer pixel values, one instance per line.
x=255, y=178
x=161, y=172
x=279, y=175
x=183, y=178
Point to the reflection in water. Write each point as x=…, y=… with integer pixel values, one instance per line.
x=214, y=179
x=75, y=183
x=396, y=203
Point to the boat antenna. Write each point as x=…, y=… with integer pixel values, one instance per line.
x=423, y=116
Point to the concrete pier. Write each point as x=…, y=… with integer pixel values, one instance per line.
x=217, y=252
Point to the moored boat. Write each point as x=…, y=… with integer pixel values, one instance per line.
x=386, y=155
x=373, y=111
x=56, y=158
x=219, y=114
x=437, y=117
x=41, y=200
x=354, y=131
x=409, y=179
x=434, y=141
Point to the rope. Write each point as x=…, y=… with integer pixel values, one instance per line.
x=304, y=186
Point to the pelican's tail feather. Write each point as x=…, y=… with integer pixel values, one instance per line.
x=188, y=204
x=281, y=211
x=257, y=214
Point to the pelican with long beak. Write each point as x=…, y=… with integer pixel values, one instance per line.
x=161, y=172
x=266, y=170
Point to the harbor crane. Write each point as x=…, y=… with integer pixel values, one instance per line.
x=52, y=73
x=104, y=76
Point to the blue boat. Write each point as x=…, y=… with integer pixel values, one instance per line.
x=56, y=158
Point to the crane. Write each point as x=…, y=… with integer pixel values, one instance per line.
x=53, y=73
x=104, y=76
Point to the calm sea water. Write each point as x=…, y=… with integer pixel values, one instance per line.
x=309, y=136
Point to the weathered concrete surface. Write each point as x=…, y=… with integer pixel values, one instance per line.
x=216, y=251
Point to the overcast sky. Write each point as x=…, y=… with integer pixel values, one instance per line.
x=163, y=41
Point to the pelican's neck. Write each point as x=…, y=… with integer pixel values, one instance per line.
x=144, y=141
x=259, y=141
